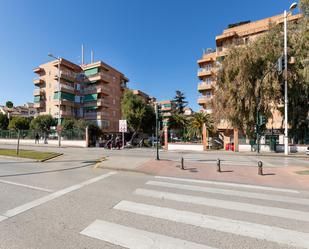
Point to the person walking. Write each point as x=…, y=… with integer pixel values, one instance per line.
x=37, y=138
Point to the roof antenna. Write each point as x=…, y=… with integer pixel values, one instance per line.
x=82, y=54
x=92, y=56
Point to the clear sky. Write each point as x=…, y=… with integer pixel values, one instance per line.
x=155, y=43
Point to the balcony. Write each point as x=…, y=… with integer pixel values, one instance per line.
x=103, y=77
x=204, y=100
x=205, y=72
x=39, y=104
x=64, y=114
x=63, y=102
x=38, y=81
x=38, y=70
x=96, y=89
x=64, y=88
x=203, y=86
x=38, y=92
x=91, y=115
x=103, y=102
x=68, y=76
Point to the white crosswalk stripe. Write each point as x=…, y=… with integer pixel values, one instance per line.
x=136, y=239
x=228, y=184
x=270, y=197
x=253, y=230
x=284, y=233
x=238, y=206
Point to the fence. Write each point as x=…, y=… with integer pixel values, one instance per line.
x=51, y=135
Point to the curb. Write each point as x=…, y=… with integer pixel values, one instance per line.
x=49, y=158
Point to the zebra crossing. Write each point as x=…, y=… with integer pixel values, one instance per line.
x=168, y=199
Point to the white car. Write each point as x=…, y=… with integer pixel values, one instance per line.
x=307, y=151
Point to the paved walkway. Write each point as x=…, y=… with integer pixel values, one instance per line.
x=276, y=177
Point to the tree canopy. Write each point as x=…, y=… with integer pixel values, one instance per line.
x=19, y=123
x=247, y=83
x=4, y=121
x=9, y=104
x=139, y=115
x=43, y=123
x=180, y=102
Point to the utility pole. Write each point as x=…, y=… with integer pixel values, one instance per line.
x=286, y=136
x=157, y=131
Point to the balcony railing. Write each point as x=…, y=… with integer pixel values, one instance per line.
x=205, y=71
x=204, y=86
x=96, y=89
x=38, y=81
x=204, y=99
x=103, y=76
x=64, y=86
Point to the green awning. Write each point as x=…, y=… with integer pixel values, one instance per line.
x=90, y=107
x=91, y=71
x=37, y=99
x=91, y=97
x=64, y=95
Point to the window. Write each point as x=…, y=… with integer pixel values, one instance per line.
x=114, y=113
x=208, y=94
x=114, y=101
x=49, y=98
x=208, y=80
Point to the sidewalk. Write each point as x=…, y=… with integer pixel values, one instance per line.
x=232, y=153
x=284, y=177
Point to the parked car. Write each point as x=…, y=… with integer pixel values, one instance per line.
x=307, y=151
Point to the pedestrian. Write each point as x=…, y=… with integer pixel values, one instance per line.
x=118, y=145
x=37, y=138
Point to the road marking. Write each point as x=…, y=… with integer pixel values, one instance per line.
x=2, y=218
x=231, y=205
x=251, y=195
x=253, y=230
x=229, y=184
x=26, y=186
x=40, y=201
x=134, y=238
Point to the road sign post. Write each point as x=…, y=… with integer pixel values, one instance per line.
x=123, y=128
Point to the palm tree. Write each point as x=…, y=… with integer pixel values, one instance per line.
x=178, y=123
x=197, y=122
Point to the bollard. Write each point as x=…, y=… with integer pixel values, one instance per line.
x=182, y=163
x=260, y=168
x=218, y=165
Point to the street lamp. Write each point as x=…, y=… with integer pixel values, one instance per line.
x=286, y=137
x=59, y=118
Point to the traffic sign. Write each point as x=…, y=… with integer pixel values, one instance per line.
x=123, y=125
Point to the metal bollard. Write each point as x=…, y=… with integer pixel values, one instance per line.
x=182, y=163
x=218, y=165
x=260, y=168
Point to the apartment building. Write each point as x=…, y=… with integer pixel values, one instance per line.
x=27, y=110
x=148, y=99
x=89, y=91
x=238, y=34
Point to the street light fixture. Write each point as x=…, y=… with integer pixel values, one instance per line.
x=286, y=136
x=59, y=118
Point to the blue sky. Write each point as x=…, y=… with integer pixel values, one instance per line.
x=155, y=43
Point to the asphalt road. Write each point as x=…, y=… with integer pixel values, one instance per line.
x=66, y=203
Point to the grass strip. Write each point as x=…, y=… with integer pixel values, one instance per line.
x=30, y=154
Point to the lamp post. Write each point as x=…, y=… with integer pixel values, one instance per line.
x=157, y=131
x=59, y=118
x=286, y=135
